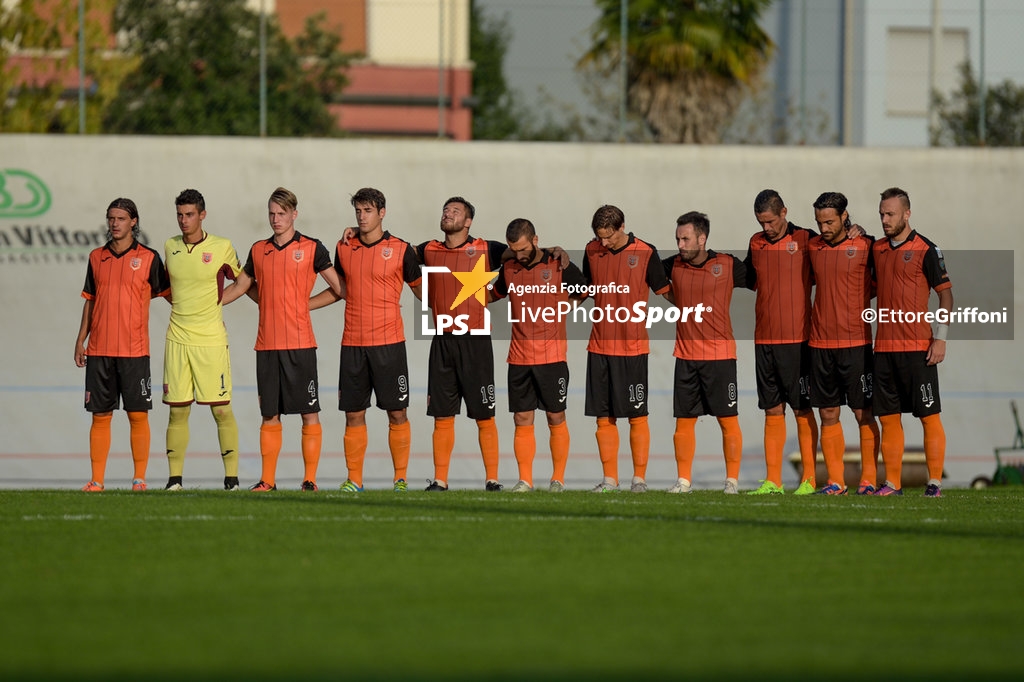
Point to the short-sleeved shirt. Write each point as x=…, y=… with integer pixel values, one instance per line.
x=537, y=287
x=622, y=278
x=374, y=275
x=443, y=288
x=906, y=274
x=197, y=273
x=285, y=276
x=710, y=283
x=843, y=280
x=780, y=272
x=120, y=285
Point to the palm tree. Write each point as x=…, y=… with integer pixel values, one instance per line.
x=687, y=60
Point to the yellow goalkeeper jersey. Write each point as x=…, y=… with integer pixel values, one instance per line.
x=197, y=273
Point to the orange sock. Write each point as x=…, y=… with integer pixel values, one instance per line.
x=444, y=443
x=99, y=445
x=833, y=447
x=355, y=452
x=639, y=445
x=399, y=442
x=608, y=448
x=892, y=449
x=934, y=446
x=487, y=434
x=525, y=446
x=774, y=444
x=684, y=441
x=732, y=445
x=559, y=444
x=140, y=439
x=270, y=449
x=869, y=441
x=312, y=442
x=807, y=435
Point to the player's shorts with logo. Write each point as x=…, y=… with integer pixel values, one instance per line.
x=461, y=368
x=109, y=381
x=287, y=381
x=199, y=374
x=704, y=387
x=783, y=375
x=842, y=376
x=616, y=386
x=905, y=382
x=380, y=370
x=538, y=386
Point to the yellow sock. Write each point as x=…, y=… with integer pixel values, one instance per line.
x=444, y=443
x=524, y=444
x=270, y=450
x=684, y=442
x=774, y=444
x=559, y=443
x=732, y=445
x=488, y=437
x=807, y=435
x=227, y=435
x=312, y=442
x=892, y=449
x=639, y=445
x=934, y=445
x=99, y=445
x=177, y=438
x=400, y=442
x=833, y=447
x=355, y=452
x=608, y=448
x=140, y=439
x=869, y=441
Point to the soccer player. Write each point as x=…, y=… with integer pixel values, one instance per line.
x=120, y=280
x=841, y=358
x=778, y=268
x=197, y=364
x=538, y=374
x=374, y=265
x=284, y=268
x=461, y=366
x=705, y=349
x=620, y=268
x=907, y=356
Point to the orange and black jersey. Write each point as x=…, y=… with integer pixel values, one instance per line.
x=284, y=278
x=120, y=285
x=374, y=275
x=906, y=274
x=531, y=290
x=710, y=283
x=780, y=272
x=843, y=279
x=625, y=275
x=443, y=287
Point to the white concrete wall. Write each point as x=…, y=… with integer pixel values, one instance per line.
x=962, y=199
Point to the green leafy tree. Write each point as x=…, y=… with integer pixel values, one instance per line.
x=198, y=72
x=960, y=113
x=688, y=62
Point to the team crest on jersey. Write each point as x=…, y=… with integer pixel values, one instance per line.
x=633, y=261
x=907, y=255
x=851, y=251
x=471, y=251
x=387, y=252
x=545, y=275
x=792, y=247
x=298, y=256
x=716, y=269
x=207, y=257
x=135, y=263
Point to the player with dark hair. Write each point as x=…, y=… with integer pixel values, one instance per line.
x=778, y=268
x=705, y=348
x=197, y=362
x=538, y=374
x=373, y=266
x=120, y=280
x=841, y=357
x=284, y=268
x=621, y=268
x=907, y=356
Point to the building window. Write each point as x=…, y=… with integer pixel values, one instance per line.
x=906, y=68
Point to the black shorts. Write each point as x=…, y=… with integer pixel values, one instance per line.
x=110, y=380
x=461, y=368
x=906, y=383
x=286, y=381
x=533, y=386
x=842, y=376
x=616, y=386
x=783, y=375
x=704, y=387
x=381, y=370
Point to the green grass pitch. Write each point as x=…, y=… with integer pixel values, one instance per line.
x=467, y=585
